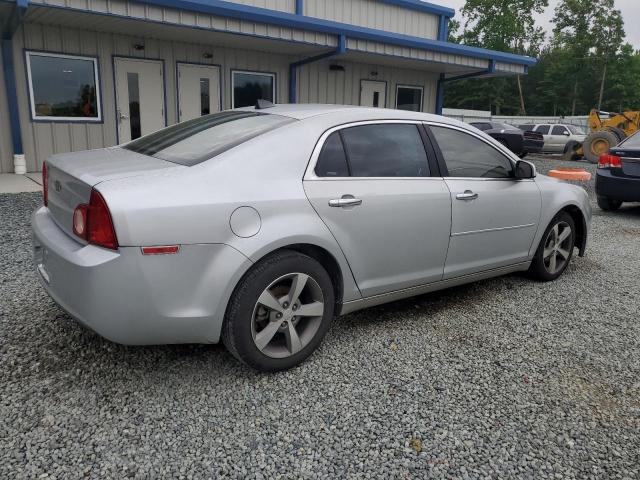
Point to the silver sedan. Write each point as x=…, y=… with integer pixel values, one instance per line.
x=258, y=226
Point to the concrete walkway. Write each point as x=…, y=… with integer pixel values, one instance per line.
x=11, y=183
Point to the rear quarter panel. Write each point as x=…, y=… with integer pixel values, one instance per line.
x=194, y=205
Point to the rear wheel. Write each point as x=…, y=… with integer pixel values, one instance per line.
x=555, y=250
x=608, y=203
x=280, y=311
x=598, y=143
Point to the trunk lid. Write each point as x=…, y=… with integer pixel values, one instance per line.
x=73, y=175
x=630, y=160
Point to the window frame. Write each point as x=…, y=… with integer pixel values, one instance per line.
x=434, y=170
x=273, y=75
x=413, y=87
x=52, y=119
x=565, y=130
x=504, y=151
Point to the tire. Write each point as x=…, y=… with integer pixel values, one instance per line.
x=542, y=268
x=608, y=204
x=286, y=340
x=598, y=143
x=618, y=132
x=569, y=153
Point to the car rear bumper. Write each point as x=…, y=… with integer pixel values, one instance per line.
x=532, y=146
x=625, y=189
x=137, y=299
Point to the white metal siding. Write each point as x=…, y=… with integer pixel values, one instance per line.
x=510, y=68
x=374, y=14
x=6, y=147
x=318, y=84
x=414, y=53
x=279, y=5
x=42, y=139
x=190, y=19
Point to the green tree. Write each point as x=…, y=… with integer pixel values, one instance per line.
x=592, y=32
x=505, y=25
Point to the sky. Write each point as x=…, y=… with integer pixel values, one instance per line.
x=630, y=14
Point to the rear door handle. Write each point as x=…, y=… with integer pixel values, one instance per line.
x=467, y=195
x=345, y=202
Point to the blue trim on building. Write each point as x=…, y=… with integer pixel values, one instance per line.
x=12, y=26
x=293, y=68
x=443, y=29
x=302, y=22
x=440, y=95
x=12, y=97
x=299, y=7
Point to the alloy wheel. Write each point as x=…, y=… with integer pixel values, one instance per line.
x=557, y=247
x=287, y=315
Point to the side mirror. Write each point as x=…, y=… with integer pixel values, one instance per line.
x=525, y=170
x=566, y=134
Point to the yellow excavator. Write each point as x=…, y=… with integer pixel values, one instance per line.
x=606, y=130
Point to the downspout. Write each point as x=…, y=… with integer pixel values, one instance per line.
x=442, y=80
x=293, y=67
x=299, y=7
x=443, y=28
x=12, y=25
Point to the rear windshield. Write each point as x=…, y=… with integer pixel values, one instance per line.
x=632, y=142
x=202, y=138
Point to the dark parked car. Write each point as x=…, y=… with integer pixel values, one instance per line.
x=519, y=142
x=618, y=174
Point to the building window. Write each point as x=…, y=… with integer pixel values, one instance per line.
x=409, y=98
x=63, y=87
x=249, y=87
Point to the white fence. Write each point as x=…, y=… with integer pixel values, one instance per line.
x=480, y=115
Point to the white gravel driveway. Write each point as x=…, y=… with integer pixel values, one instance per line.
x=501, y=379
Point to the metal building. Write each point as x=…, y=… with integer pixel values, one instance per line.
x=82, y=74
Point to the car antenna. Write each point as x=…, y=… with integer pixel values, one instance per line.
x=262, y=104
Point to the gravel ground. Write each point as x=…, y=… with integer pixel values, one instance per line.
x=501, y=379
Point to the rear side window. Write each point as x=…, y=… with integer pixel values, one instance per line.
x=543, y=129
x=482, y=126
x=332, y=161
x=467, y=156
x=189, y=143
x=632, y=142
x=385, y=150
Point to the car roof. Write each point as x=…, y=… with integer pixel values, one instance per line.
x=352, y=113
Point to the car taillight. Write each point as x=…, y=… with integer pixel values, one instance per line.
x=607, y=160
x=93, y=222
x=45, y=185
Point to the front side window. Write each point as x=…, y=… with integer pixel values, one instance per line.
x=558, y=130
x=409, y=98
x=63, y=87
x=249, y=87
x=468, y=156
x=202, y=138
x=385, y=150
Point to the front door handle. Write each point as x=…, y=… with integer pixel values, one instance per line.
x=346, y=201
x=467, y=195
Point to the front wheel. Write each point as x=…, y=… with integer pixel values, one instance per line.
x=555, y=250
x=279, y=312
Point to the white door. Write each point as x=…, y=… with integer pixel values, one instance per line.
x=373, y=93
x=139, y=97
x=198, y=90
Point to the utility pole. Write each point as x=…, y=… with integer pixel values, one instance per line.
x=604, y=75
x=522, y=109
